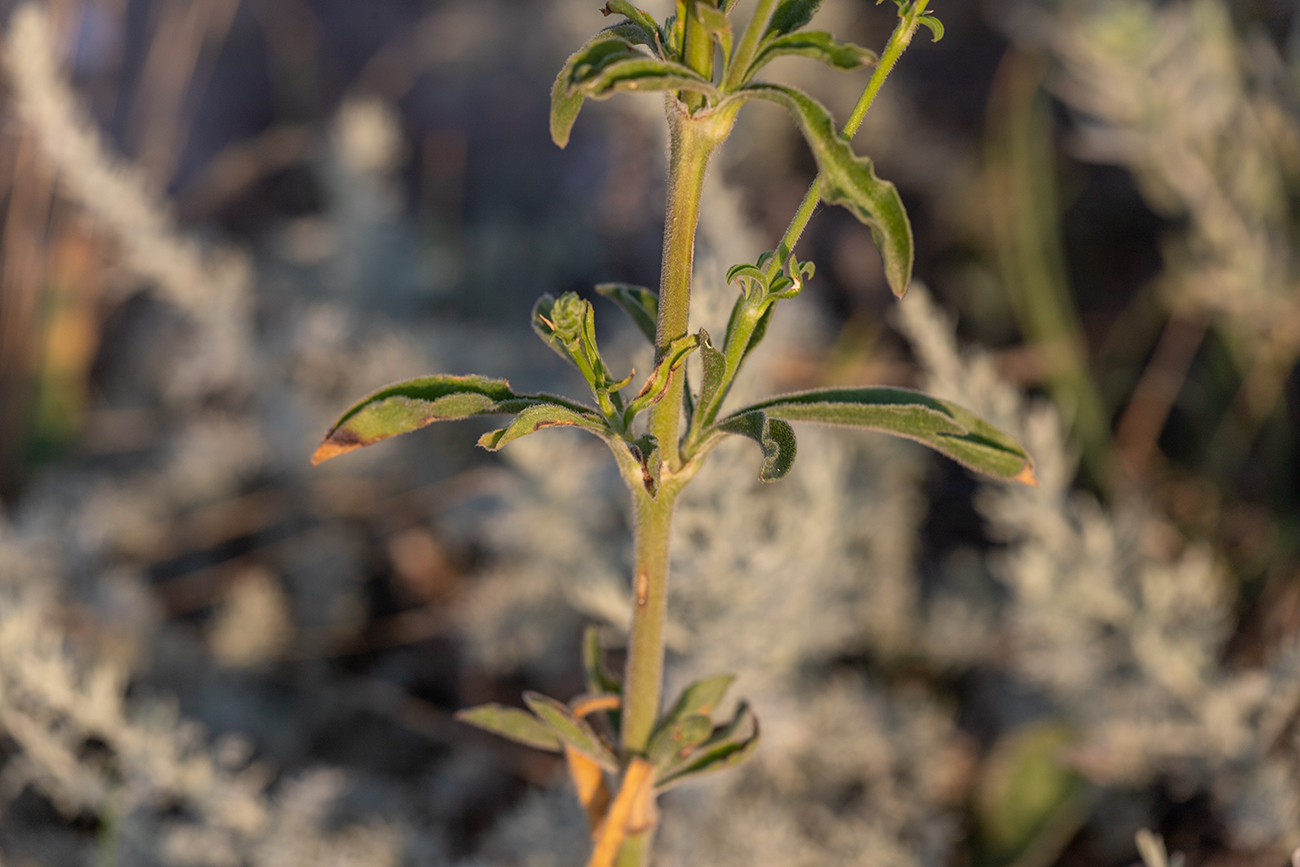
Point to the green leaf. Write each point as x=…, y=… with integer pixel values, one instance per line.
x=774, y=437
x=642, y=19
x=640, y=304
x=612, y=65
x=715, y=371
x=850, y=180
x=564, y=111
x=817, y=44
x=935, y=25
x=790, y=16
x=410, y=405
x=675, y=739
x=702, y=697
x=939, y=424
x=513, y=723
x=540, y=416
x=727, y=748
x=572, y=730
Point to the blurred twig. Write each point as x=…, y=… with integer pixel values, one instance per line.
x=1149, y=406
x=1022, y=201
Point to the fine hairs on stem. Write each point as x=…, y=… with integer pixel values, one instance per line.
x=621, y=747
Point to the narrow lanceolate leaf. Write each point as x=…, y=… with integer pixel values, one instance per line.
x=702, y=697
x=640, y=304
x=676, y=739
x=513, y=723
x=790, y=15
x=410, y=405
x=539, y=416
x=939, y=424
x=727, y=748
x=774, y=437
x=817, y=44
x=850, y=181
x=572, y=730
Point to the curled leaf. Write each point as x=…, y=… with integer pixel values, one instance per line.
x=774, y=436
x=935, y=25
x=637, y=16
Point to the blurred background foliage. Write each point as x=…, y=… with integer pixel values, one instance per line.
x=224, y=221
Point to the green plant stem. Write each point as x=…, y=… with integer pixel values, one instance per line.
x=642, y=682
x=635, y=850
x=691, y=144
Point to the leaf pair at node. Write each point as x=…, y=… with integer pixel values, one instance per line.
x=685, y=743
x=639, y=54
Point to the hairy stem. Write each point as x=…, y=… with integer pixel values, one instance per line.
x=692, y=141
x=642, y=681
